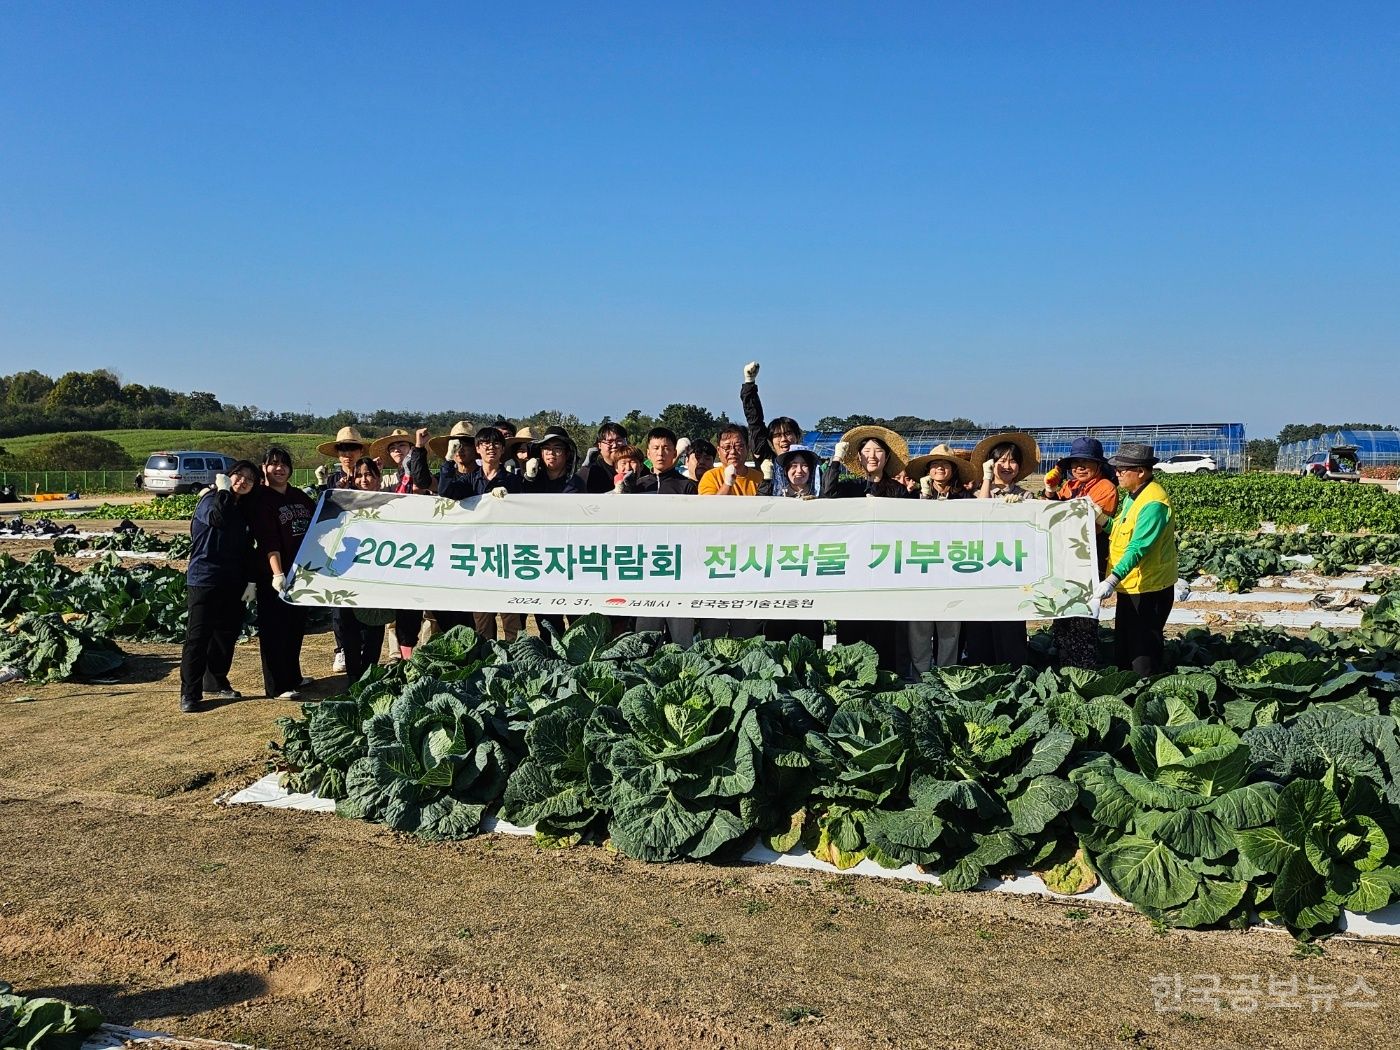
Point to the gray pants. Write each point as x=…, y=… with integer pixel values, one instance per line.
x=730, y=628
x=933, y=643
x=681, y=631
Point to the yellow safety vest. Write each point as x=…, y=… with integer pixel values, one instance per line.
x=1158, y=566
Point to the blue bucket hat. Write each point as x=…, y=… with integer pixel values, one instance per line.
x=1091, y=449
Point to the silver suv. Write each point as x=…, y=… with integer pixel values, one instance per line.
x=168, y=473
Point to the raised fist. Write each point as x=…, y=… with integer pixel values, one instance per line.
x=750, y=371
x=532, y=467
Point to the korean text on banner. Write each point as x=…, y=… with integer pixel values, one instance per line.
x=691, y=556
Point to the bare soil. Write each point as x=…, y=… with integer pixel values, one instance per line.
x=124, y=884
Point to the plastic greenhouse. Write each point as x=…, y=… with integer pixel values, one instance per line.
x=1224, y=441
x=1375, y=448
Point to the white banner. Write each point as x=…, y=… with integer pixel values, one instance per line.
x=694, y=556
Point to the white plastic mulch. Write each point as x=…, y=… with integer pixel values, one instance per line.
x=115, y=1036
x=266, y=792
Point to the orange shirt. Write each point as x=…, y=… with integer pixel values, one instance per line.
x=746, y=482
x=1103, y=492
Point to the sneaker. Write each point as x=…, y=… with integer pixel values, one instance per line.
x=338, y=664
x=225, y=694
x=290, y=694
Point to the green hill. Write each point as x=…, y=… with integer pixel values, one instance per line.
x=141, y=443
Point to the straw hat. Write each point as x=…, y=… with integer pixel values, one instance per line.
x=523, y=436
x=962, y=468
x=1030, y=451
x=462, y=430
x=857, y=436
x=343, y=436
x=379, y=448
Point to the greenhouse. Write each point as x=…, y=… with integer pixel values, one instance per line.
x=1224, y=441
x=1375, y=448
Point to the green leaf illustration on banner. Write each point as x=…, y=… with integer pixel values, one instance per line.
x=442, y=507
x=365, y=514
x=1055, y=596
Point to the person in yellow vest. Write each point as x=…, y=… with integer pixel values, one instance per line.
x=1142, y=553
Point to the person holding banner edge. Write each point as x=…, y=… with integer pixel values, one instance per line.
x=280, y=515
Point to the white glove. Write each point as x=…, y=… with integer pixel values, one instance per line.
x=617, y=485
x=767, y=469
x=279, y=581
x=682, y=447
x=249, y=593
x=498, y=493
x=729, y=474
x=926, y=487
x=1013, y=497
x=452, y=447
x=750, y=371
x=532, y=467
x=321, y=474
x=988, y=469
x=839, y=452
x=222, y=482
x=1107, y=588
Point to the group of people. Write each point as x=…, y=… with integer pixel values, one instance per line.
x=246, y=533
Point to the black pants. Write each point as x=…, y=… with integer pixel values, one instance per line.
x=881, y=634
x=408, y=624
x=216, y=616
x=363, y=642
x=783, y=630
x=996, y=642
x=1137, y=630
x=449, y=619
x=281, y=628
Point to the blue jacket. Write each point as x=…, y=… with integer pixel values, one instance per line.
x=221, y=543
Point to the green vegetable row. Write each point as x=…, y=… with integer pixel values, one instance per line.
x=1269, y=787
x=43, y=1023
x=1244, y=502
x=1240, y=560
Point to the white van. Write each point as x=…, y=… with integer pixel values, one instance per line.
x=168, y=473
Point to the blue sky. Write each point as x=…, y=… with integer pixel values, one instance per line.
x=1054, y=214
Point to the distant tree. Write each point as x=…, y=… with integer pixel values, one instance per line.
x=77, y=452
x=28, y=388
x=545, y=418
x=690, y=421
x=88, y=389
x=1262, y=454
x=637, y=423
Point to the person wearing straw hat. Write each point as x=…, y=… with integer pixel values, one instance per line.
x=940, y=475
x=347, y=447
x=398, y=448
x=876, y=457
x=391, y=452
x=1004, y=460
x=518, y=450
x=1142, y=553
x=450, y=448
x=1084, y=474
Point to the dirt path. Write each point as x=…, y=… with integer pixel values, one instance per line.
x=123, y=884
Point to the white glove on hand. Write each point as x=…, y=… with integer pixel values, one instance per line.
x=750, y=371
x=452, y=447
x=729, y=474
x=321, y=474
x=498, y=493
x=1107, y=588
x=532, y=468
x=1013, y=497
x=279, y=581
x=839, y=452
x=222, y=483
x=682, y=447
x=249, y=593
x=767, y=469
x=926, y=487
x=988, y=469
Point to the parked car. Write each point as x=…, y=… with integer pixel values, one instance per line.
x=1188, y=463
x=1338, y=463
x=168, y=473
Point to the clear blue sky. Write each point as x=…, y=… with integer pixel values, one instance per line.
x=1049, y=213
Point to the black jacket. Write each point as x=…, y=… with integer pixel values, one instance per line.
x=672, y=483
